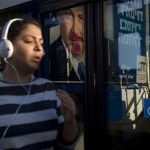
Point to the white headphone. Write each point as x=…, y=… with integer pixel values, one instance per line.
x=6, y=46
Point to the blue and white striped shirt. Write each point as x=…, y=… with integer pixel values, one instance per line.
x=35, y=125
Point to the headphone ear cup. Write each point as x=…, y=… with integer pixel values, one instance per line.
x=6, y=48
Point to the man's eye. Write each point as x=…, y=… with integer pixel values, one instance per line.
x=42, y=44
x=81, y=17
x=68, y=15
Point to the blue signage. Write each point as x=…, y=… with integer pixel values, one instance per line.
x=147, y=107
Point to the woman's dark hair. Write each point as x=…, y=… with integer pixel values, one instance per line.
x=19, y=25
x=14, y=30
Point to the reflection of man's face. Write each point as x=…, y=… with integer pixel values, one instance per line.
x=72, y=31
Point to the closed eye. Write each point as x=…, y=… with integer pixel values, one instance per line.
x=28, y=42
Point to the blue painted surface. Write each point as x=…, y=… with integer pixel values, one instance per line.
x=147, y=107
x=115, y=106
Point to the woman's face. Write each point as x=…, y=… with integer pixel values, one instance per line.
x=28, y=49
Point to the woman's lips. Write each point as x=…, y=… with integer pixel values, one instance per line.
x=36, y=59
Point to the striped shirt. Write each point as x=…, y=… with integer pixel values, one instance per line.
x=31, y=112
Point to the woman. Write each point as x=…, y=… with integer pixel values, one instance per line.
x=31, y=114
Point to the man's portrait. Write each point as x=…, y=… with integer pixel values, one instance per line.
x=67, y=51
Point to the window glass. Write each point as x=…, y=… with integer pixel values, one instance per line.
x=64, y=62
x=126, y=36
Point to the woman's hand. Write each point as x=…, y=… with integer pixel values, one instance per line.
x=68, y=106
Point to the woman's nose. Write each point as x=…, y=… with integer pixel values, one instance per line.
x=38, y=47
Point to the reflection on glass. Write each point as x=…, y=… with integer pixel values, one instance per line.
x=67, y=50
x=66, y=56
x=126, y=80
x=129, y=47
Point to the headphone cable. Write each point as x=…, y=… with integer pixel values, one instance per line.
x=20, y=105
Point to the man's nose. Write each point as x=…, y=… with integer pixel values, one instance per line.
x=76, y=26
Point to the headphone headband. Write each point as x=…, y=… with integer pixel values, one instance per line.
x=6, y=46
x=7, y=26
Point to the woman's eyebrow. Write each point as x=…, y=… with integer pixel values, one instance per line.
x=35, y=37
